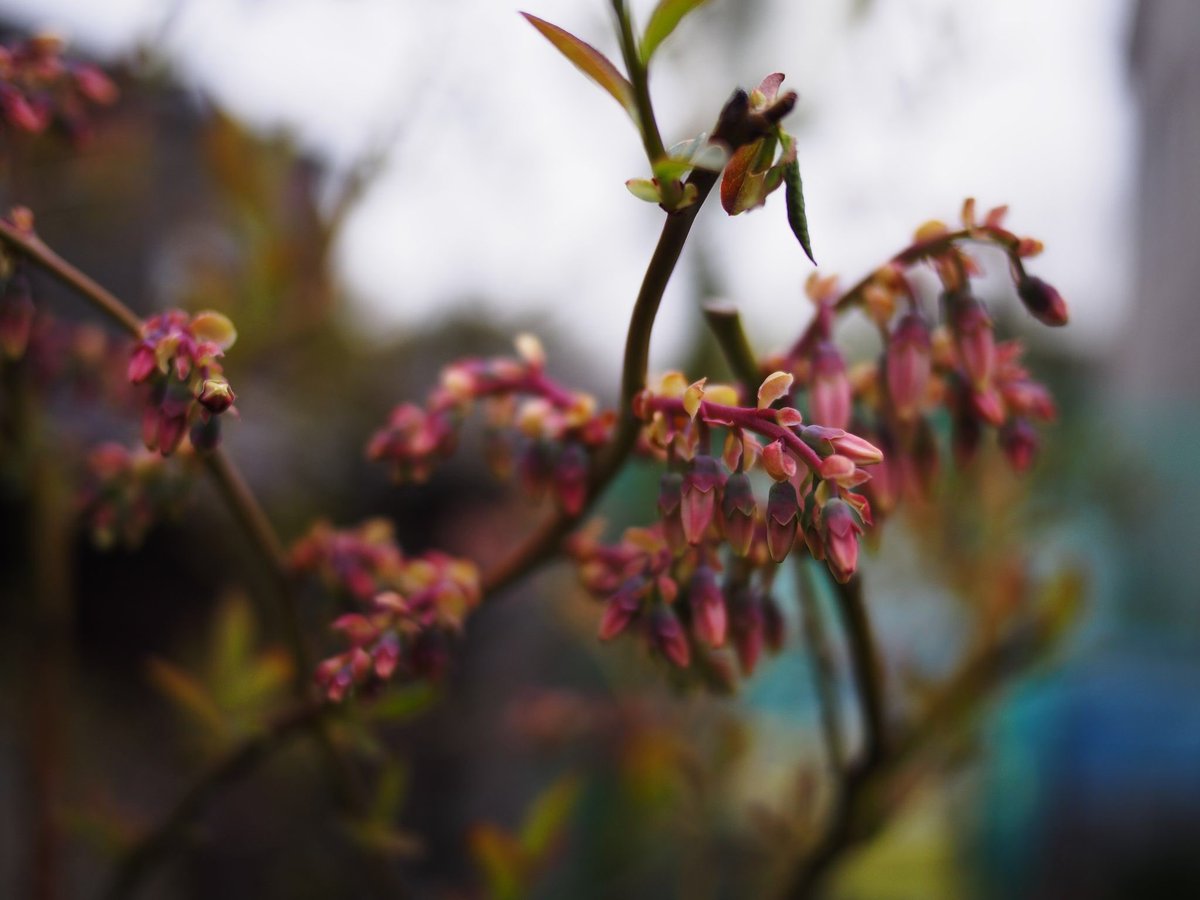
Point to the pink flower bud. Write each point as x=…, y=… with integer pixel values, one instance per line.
x=570, y=478
x=975, y=340
x=708, y=606
x=908, y=365
x=783, y=516
x=621, y=608
x=1043, y=302
x=830, y=397
x=1020, y=444
x=841, y=538
x=746, y=627
x=141, y=363
x=670, y=497
x=668, y=637
x=777, y=462
x=170, y=432
x=738, y=511
x=857, y=449
x=386, y=656
x=699, y=497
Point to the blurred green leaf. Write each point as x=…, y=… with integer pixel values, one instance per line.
x=389, y=792
x=666, y=16
x=401, y=703
x=546, y=818
x=590, y=61
x=502, y=860
x=187, y=694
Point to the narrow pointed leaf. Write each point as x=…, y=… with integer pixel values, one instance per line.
x=662, y=22
x=795, y=206
x=590, y=61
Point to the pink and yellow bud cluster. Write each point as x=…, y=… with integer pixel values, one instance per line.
x=39, y=88
x=178, y=357
x=685, y=605
x=708, y=498
x=125, y=492
x=957, y=365
x=411, y=608
x=545, y=431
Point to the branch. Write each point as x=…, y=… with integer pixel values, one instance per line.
x=235, y=765
x=824, y=675
x=726, y=325
x=737, y=125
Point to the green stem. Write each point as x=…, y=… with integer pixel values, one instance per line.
x=726, y=326
x=824, y=676
x=639, y=78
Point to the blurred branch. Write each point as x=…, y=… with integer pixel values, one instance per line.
x=824, y=675
x=235, y=765
x=726, y=325
x=856, y=813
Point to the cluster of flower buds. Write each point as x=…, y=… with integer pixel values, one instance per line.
x=126, y=491
x=956, y=365
x=39, y=88
x=178, y=358
x=812, y=468
x=687, y=606
x=547, y=432
x=409, y=609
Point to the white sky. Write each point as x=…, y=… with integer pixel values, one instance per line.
x=506, y=183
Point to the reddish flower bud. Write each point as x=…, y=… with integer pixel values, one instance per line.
x=738, y=511
x=216, y=395
x=699, y=497
x=908, y=365
x=1043, y=302
x=975, y=339
x=670, y=497
x=857, y=449
x=708, y=606
x=841, y=529
x=783, y=517
x=386, y=656
x=621, y=608
x=668, y=637
x=170, y=432
x=746, y=626
x=830, y=396
x=570, y=478
x=141, y=364
x=1020, y=444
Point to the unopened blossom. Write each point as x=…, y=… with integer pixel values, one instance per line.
x=908, y=366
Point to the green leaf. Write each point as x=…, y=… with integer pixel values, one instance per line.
x=547, y=817
x=794, y=194
x=187, y=694
x=662, y=22
x=590, y=61
x=644, y=189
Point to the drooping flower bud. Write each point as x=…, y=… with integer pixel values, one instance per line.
x=738, y=511
x=670, y=497
x=908, y=366
x=746, y=626
x=699, y=496
x=570, y=478
x=975, y=339
x=783, y=517
x=830, y=396
x=622, y=607
x=841, y=529
x=1043, y=302
x=668, y=637
x=708, y=606
x=1020, y=444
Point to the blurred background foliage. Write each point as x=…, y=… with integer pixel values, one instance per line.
x=549, y=765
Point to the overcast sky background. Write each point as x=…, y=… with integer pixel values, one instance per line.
x=504, y=188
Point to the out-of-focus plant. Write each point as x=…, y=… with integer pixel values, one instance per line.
x=796, y=461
